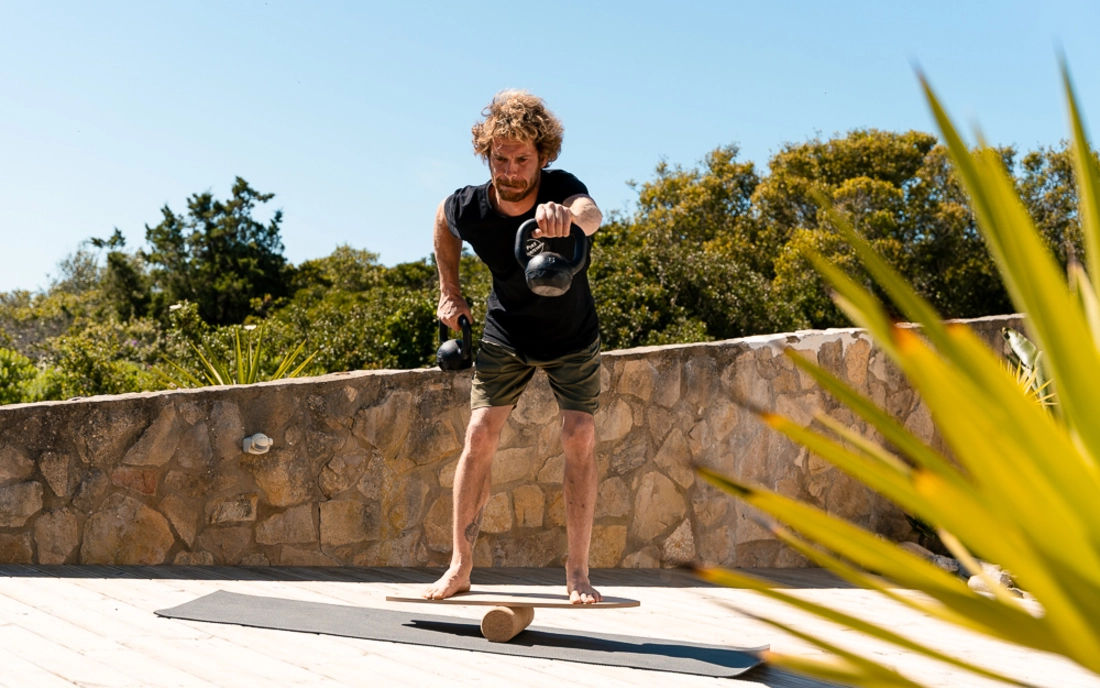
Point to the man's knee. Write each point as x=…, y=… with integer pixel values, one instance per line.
x=578, y=431
x=483, y=433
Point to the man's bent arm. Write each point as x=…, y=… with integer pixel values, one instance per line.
x=448, y=253
x=587, y=216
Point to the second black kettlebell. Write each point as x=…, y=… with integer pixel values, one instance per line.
x=547, y=273
x=455, y=354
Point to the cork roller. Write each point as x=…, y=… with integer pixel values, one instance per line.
x=501, y=624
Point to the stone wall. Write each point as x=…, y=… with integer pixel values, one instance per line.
x=363, y=464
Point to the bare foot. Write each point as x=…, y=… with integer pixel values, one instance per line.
x=581, y=590
x=455, y=580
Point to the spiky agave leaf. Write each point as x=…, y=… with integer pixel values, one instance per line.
x=1021, y=486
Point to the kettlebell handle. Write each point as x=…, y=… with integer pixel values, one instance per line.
x=580, y=245
x=445, y=332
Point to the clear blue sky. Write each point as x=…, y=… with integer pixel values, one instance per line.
x=357, y=114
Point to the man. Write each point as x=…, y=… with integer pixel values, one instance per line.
x=518, y=138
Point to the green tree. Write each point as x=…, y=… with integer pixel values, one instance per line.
x=681, y=267
x=218, y=256
x=125, y=283
x=1047, y=188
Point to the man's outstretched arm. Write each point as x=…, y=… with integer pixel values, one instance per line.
x=557, y=219
x=586, y=214
x=448, y=253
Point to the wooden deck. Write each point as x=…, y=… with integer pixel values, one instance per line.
x=94, y=626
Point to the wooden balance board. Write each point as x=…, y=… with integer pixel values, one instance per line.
x=513, y=611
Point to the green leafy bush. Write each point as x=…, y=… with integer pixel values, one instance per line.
x=17, y=372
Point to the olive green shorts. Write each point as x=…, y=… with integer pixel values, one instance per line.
x=501, y=375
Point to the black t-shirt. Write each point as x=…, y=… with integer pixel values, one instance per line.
x=542, y=327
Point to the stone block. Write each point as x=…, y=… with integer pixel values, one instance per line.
x=497, y=516
x=437, y=525
x=530, y=503
x=646, y=558
x=553, y=471
x=629, y=455
x=193, y=559
x=659, y=422
x=447, y=475
x=638, y=378
x=55, y=469
x=920, y=423
x=188, y=485
x=657, y=506
x=190, y=412
x=787, y=558
x=158, y=443
x=667, y=392
x=136, y=478
x=295, y=525
x=284, y=476
x=304, y=556
x=233, y=510
x=483, y=554
x=549, y=440
x=674, y=458
x=125, y=531
x=404, y=503
x=183, y=516
x=344, y=522
x=848, y=498
x=855, y=362
x=608, y=543
x=91, y=490
x=229, y=545
x=16, y=549
x=537, y=406
x=513, y=464
x=226, y=430
x=14, y=465
x=613, y=499
x=555, y=509
x=678, y=548
x=194, y=449
x=723, y=417
x=57, y=535
x=757, y=554
x=429, y=442
x=341, y=473
x=18, y=502
x=715, y=545
x=268, y=411
x=699, y=439
x=544, y=548
x=614, y=421
x=799, y=409
x=400, y=551
x=103, y=432
x=710, y=505
x=384, y=425
x=700, y=381
x=255, y=559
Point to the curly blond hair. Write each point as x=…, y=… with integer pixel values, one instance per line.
x=521, y=116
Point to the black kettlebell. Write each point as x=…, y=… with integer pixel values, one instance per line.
x=454, y=354
x=549, y=274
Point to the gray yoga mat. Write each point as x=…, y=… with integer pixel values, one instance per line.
x=412, y=627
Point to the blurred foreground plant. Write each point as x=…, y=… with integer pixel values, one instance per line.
x=1022, y=485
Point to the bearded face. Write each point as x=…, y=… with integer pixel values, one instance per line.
x=515, y=169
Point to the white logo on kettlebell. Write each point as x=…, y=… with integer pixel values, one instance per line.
x=533, y=247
